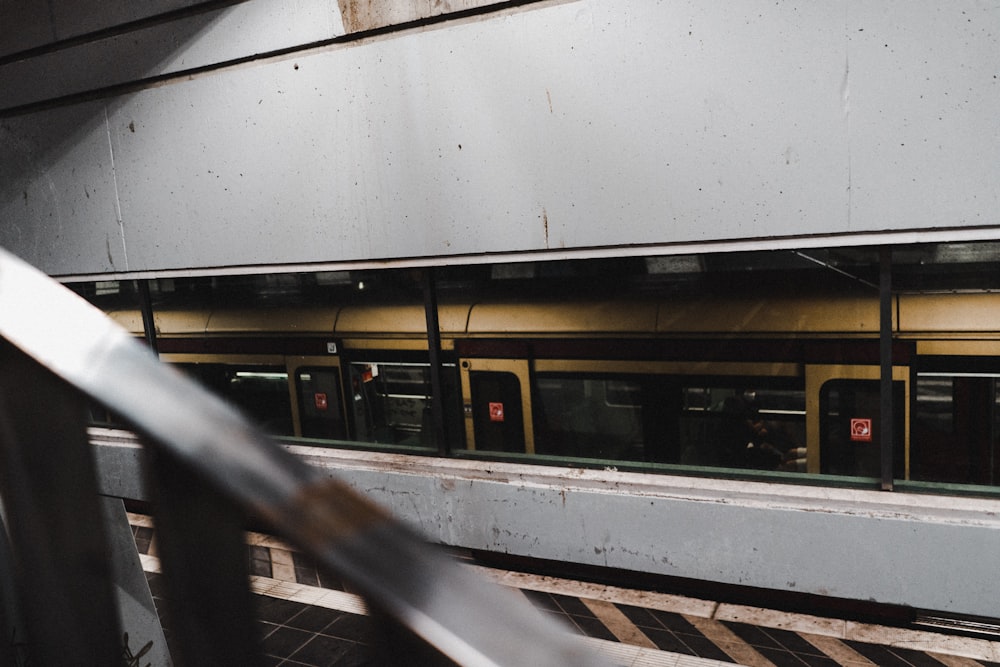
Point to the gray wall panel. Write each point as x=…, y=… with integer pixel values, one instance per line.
x=561, y=125
x=921, y=551
x=926, y=552
x=190, y=42
x=26, y=24
x=59, y=208
x=925, y=134
x=483, y=137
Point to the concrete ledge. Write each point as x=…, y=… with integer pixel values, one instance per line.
x=928, y=552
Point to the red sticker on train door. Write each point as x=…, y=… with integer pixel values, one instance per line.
x=320, y=401
x=861, y=430
x=496, y=412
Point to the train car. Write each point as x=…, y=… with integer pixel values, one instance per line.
x=782, y=385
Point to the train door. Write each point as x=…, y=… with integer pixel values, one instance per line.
x=317, y=399
x=497, y=405
x=844, y=421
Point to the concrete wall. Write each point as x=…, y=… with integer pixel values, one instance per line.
x=230, y=135
x=927, y=552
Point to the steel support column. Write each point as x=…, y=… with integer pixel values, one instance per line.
x=885, y=359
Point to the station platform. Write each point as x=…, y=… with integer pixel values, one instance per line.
x=310, y=620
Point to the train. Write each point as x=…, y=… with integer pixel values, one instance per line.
x=778, y=383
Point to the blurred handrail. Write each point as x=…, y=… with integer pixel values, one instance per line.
x=415, y=585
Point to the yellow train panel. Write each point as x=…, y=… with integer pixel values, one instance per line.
x=854, y=315
x=181, y=322
x=273, y=320
x=563, y=318
x=965, y=348
x=949, y=313
x=407, y=319
x=130, y=320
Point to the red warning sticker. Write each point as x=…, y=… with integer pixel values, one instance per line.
x=861, y=430
x=320, y=401
x=496, y=412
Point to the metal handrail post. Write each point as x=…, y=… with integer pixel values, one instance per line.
x=48, y=481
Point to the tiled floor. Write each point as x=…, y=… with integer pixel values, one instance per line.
x=299, y=635
x=308, y=620
x=294, y=634
x=672, y=632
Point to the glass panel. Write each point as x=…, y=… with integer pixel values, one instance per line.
x=260, y=391
x=739, y=427
x=392, y=403
x=693, y=421
x=589, y=418
x=956, y=428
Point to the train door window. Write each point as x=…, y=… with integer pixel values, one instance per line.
x=851, y=427
x=497, y=414
x=260, y=391
x=956, y=428
x=320, y=404
x=392, y=403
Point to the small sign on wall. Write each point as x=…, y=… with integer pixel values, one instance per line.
x=496, y=412
x=861, y=430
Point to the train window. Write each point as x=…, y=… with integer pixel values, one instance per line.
x=391, y=402
x=320, y=413
x=956, y=428
x=260, y=391
x=622, y=393
x=588, y=417
x=713, y=422
x=744, y=425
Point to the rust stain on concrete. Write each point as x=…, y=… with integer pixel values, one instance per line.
x=362, y=15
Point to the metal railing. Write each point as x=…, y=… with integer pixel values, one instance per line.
x=208, y=470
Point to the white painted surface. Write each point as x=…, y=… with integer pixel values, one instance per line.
x=924, y=90
x=565, y=125
x=59, y=207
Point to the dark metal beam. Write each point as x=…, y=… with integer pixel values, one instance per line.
x=887, y=416
x=434, y=353
x=146, y=306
